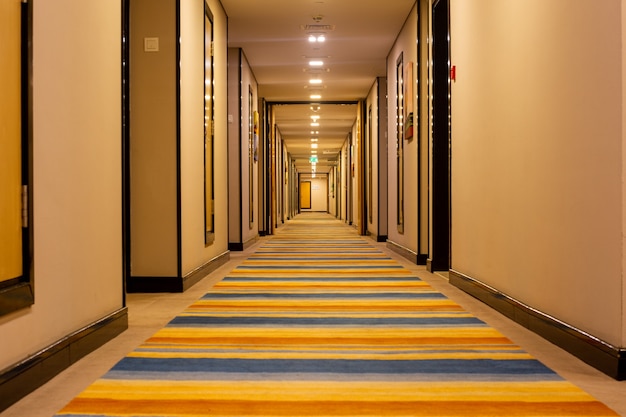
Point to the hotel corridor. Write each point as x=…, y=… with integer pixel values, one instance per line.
x=317, y=320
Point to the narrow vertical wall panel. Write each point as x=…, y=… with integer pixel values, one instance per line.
x=153, y=140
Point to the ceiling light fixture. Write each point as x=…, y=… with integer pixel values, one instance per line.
x=315, y=81
x=315, y=124
x=314, y=63
x=316, y=96
x=314, y=146
x=317, y=38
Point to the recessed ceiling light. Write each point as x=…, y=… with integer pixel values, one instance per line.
x=317, y=38
x=316, y=96
x=315, y=63
x=315, y=81
x=315, y=124
x=314, y=146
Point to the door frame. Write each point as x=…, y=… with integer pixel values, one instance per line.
x=19, y=292
x=441, y=139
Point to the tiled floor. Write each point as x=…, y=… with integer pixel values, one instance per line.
x=150, y=312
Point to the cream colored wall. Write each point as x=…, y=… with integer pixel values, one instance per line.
x=77, y=175
x=234, y=131
x=285, y=182
x=319, y=193
x=382, y=170
x=332, y=192
x=194, y=252
x=221, y=125
x=154, y=228
x=378, y=225
x=371, y=103
x=405, y=44
x=344, y=177
x=249, y=231
x=354, y=175
x=623, y=17
x=277, y=182
x=537, y=208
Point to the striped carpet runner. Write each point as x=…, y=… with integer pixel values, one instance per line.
x=319, y=322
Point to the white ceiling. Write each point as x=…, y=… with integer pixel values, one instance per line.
x=273, y=35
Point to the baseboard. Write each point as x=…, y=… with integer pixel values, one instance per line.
x=198, y=274
x=250, y=242
x=375, y=237
x=601, y=355
x=422, y=259
x=154, y=284
x=23, y=378
x=407, y=253
x=241, y=246
x=402, y=251
x=235, y=246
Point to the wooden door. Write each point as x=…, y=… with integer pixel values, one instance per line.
x=305, y=195
x=10, y=141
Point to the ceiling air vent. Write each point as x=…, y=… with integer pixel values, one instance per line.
x=318, y=28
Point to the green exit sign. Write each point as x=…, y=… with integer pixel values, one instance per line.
x=313, y=159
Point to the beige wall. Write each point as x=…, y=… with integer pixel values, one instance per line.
x=234, y=132
x=537, y=163
x=221, y=126
x=319, y=192
x=77, y=175
x=343, y=180
x=153, y=136
x=332, y=192
x=194, y=252
x=405, y=45
x=371, y=144
x=249, y=229
x=354, y=176
x=241, y=82
x=376, y=102
x=623, y=17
